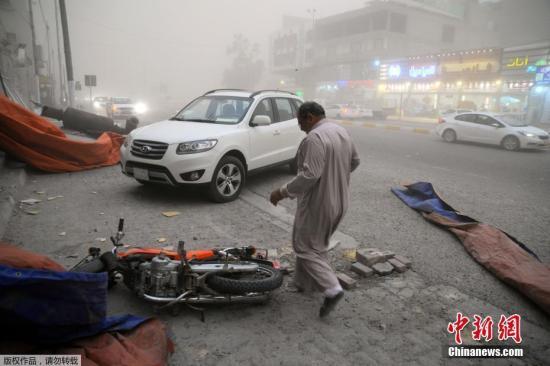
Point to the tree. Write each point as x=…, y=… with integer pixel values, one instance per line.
x=246, y=68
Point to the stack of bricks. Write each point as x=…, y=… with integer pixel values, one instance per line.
x=373, y=260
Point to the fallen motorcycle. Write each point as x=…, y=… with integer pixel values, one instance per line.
x=191, y=277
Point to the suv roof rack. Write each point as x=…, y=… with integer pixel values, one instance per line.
x=217, y=90
x=268, y=90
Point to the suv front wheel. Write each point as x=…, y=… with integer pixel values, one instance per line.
x=227, y=181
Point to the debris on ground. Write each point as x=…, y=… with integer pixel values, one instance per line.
x=63, y=233
x=32, y=212
x=346, y=281
x=161, y=240
x=54, y=197
x=101, y=239
x=30, y=201
x=170, y=213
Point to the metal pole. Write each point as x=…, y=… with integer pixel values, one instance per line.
x=35, y=56
x=62, y=91
x=67, y=47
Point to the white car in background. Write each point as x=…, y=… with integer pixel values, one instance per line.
x=215, y=141
x=508, y=131
x=342, y=111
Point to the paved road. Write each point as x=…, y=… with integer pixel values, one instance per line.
x=400, y=319
x=507, y=189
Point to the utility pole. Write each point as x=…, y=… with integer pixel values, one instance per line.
x=62, y=91
x=35, y=56
x=67, y=47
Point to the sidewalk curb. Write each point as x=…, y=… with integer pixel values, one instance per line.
x=281, y=218
x=419, y=130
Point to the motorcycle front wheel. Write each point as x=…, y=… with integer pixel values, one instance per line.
x=265, y=279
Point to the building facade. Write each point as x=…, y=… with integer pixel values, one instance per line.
x=340, y=54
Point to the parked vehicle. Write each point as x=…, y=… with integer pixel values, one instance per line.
x=101, y=105
x=216, y=140
x=354, y=111
x=508, y=131
x=342, y=111
x=212, y=276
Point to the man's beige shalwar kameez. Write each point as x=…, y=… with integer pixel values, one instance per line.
x=325, y=159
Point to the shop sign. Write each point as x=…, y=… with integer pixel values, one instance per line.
x=423, y=71
x=391, y=71
x=517, y=62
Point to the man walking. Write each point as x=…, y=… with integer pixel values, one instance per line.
x=325, y=159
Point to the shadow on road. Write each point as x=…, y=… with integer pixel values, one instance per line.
x=493, y=147
x=160, y=193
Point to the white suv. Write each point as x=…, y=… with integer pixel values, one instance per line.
x=216, y=140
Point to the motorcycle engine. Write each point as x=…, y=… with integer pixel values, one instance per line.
x=159, y=277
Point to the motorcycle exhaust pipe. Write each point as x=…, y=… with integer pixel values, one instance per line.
x=210, y=299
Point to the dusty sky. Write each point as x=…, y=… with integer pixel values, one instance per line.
x=141, y=48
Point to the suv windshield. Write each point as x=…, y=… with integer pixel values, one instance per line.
x=513, y=120
x=215, y=109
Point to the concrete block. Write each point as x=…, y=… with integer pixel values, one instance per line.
x=369, y=257
x=346, y=281
x=406, y=261
x=388, y=254
x=361, y=269
x=399, y=267
x=383, y=268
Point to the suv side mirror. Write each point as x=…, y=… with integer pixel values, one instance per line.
x=497, y=125
x=261, y=120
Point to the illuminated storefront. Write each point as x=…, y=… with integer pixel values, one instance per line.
x=519, y=67
x=426, y=85
x=410, y=86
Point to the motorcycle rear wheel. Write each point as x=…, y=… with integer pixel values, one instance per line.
x=265, y=279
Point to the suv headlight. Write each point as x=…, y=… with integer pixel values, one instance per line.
x=527, y=134
x=127, y=141
x=192, y=147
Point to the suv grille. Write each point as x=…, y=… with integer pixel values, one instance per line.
x=148, y=149
x=544, y=137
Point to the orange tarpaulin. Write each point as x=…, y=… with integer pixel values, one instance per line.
x=36, y=141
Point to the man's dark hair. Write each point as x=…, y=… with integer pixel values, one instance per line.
x=311, y=107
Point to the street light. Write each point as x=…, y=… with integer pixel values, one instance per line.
x=312, y=12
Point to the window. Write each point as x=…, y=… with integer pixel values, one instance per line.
x=486, y=120
x=284, y=109
x=358, y=25
x=264, y=109
x=448, y=34
x=296, y=104
x=466, y=117
x=379, y=20
x=398, y=23
x=379, y=43
x=215, y=109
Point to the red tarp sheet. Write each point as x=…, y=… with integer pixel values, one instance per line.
x=38, y=142
x=494, y=250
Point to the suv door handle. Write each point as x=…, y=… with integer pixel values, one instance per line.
x=276, y=132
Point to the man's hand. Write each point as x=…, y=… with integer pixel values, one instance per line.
x=276, y=196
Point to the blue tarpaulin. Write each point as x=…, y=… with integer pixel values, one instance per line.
x=421, y=196
x=50, y=307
